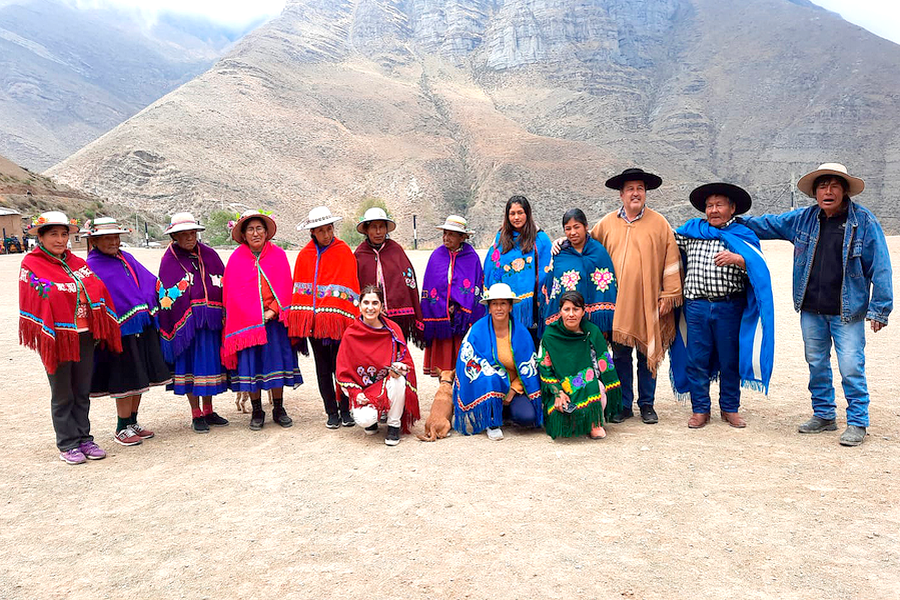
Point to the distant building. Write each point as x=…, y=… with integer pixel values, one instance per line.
x=10, y=222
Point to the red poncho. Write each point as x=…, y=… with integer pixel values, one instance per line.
x=362, y=366
x=326, y=291
x=49, y=288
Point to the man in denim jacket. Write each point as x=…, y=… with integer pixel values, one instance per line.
x=842, y=278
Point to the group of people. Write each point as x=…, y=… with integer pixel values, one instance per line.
x=541, y=333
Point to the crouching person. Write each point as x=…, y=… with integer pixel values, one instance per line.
x=376, y=371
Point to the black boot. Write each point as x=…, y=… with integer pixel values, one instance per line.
x=278, y=414
x=258, y=417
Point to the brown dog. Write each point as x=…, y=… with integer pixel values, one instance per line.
x=242, y=401
x=437, y=425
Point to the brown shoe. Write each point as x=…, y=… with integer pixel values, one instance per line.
x=698, y=420
x=734, y=419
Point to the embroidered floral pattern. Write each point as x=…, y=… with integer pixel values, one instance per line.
x=602, y=278
x=409, y=277
x=570, y=279
x=41, y=285
x=578, y=380
x=370, y=374
x=517, y=265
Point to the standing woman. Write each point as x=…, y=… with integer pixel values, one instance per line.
x=190, y=319
x=256, y=294
x=324, y=304
x=128, y=375
x=579, y=385
x=64, y=309
x=520, y=257
x=582, y=265
x=375, y=369
x=496, y=375
x=451, y=296
x=380, y=261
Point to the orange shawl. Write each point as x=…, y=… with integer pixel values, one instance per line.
x=326, y=291
x=648, y=269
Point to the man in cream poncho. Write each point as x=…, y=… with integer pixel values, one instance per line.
x=648, y=268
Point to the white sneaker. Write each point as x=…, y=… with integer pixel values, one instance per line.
x=494, y=434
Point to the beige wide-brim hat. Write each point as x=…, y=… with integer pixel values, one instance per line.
x=375, y=214
x=456, y=223
x=52, y=217
x=238, y=236
x=320, y=215
x=183, y=221
x=106, y=226
x=500, y=291
x=805, y=184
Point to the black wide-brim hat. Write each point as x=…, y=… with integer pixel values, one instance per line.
x=651, y=181
x=738, y=195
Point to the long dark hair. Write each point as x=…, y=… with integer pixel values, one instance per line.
x=529, y=231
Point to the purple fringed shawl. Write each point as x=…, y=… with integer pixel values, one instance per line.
x=135, y=300
x=463, y=290
x=190, y=296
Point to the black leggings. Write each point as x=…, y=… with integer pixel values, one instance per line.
x=325, y=352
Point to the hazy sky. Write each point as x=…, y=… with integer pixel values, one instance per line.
x=881, y=17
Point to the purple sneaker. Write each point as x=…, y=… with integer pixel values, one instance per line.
x=72, y=457
x=92, y=451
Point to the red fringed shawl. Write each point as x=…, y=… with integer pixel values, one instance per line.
x=48, y=294
x=362, y=366
x=390, y=268
x=326, y=291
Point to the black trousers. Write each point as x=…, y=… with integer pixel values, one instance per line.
x=70, y=397
x=325, y=352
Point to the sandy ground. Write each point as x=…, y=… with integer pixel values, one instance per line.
x=651, y=512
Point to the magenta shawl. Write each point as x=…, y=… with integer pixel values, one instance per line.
x=245, y=324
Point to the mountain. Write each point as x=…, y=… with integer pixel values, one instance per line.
x=68, y=75
x=454, y=105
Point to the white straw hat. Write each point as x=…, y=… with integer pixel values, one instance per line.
x=375, y=213
x=53, y=217
x=806, y=182
x=183, y=221
x=500, y=291
x=456, y=223
x=320, y=215
x=106, y=226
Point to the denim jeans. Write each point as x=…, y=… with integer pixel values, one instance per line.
x=714, y=343
x=849, y=344
x=625, y=370
x=520, y=411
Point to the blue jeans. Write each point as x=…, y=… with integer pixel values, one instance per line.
x=625, y=370
x=849, y=344
x=521, y=411
x=714, y=330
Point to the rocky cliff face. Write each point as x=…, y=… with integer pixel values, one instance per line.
x=451, y=105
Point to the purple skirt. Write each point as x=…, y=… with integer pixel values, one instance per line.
x=267, y=366
x=198, y=370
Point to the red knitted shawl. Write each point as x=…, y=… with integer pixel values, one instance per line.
x=326, y=291
x=48, y=294
x=362, y=366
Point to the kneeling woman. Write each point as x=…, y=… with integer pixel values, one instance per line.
x=257, y=293
x=496, y=376
x=375, y=369
x=579, y=385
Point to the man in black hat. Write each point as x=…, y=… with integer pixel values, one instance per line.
x=648, y=272
x=715, y=291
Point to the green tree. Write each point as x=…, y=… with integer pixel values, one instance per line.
x=348, y=231
x=217, y=232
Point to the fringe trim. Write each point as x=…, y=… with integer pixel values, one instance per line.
x=559, y=424
x=306, y=324
x=235, y=342
x=486, y=413
x=105, y=328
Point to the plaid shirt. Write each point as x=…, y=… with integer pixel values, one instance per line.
x=704, y=279
x=624, y=216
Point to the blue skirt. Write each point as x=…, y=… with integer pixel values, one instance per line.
x=198, y=370
x=267, y=366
